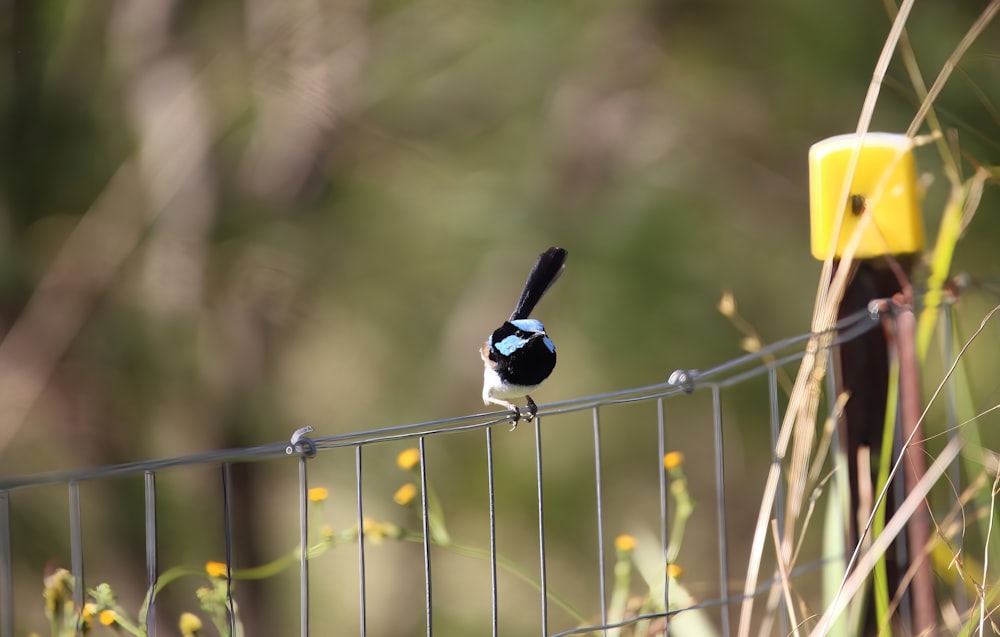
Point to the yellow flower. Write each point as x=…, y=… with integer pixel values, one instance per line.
x=108, y=617
x=625, y=542
x=87, y=616
x=215, y=569
x=674, y=571
x=318, y=494
x=750, y=344
x=408, y=458
x=727, y=304
x=672, y=460
x=376, y=531
x=405, y=494
x=189, y=624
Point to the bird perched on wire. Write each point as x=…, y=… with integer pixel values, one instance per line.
x=519, y=355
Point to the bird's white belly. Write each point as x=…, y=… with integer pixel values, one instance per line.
x=494, y=387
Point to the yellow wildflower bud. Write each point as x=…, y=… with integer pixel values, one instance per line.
x=87, y=615
x=408, y=458
x=108, y=617
x=215, y=569
x=672, y=460
x=625, y=542
x=727, y=304
x=189, y=624
x=750, y=344
x=376, y=531
x=674, y=571
x=318, y=494
x=405, y=494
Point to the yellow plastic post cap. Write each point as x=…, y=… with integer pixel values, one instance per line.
x=884, y=185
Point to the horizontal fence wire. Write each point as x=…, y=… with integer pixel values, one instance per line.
x=764, y=362
x=732, y=372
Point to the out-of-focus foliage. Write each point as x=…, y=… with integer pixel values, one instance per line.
x=222, y=220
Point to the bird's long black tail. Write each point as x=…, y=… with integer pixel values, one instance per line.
x=547, y=269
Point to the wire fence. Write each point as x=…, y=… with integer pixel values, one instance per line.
x=306, y=452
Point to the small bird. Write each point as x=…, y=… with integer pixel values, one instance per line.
x=519, y=355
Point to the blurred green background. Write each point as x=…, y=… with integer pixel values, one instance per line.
x=222, y=220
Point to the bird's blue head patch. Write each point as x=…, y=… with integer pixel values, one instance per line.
x=526, y=330
x=528, y=325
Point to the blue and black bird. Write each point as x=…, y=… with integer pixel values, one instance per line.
x=519, y=355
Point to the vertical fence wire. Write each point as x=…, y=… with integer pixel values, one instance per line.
x=363, y=616
x=425, y=510
x=6, y=570
x=227, y=521
x=541, y=527
x=76, y=546
x=152, y=554
x=600, y=519
x=720, y=504
x=304, y=550
x=774, y=411
x=493, y=531
x=661, y=445
x=775, y=417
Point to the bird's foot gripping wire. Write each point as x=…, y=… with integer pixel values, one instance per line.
x=532, y=409
x=515, y=416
